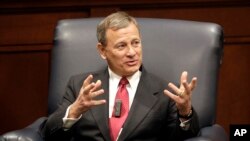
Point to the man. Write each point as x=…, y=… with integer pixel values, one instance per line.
x=123, y=101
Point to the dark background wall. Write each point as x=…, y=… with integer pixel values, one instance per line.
x=26, y=40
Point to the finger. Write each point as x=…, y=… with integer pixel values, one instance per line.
x=97, y=102
x=91, y=103
x=97, y=93
x=88, y=80
x=174, y=88
x=193, y=83
x=97, y=86
x=183, y=77
x=87, y=89
x=187, y=88
x=171, y=95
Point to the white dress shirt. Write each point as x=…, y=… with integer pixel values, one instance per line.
x=114, y=80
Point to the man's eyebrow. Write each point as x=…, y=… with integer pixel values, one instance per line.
x=120, y=42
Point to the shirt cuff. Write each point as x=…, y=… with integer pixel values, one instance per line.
x=185, y=124
x=69, y=122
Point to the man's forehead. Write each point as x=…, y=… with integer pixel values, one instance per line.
x=130, y=28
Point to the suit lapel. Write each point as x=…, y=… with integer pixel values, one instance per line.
x=143, y=102
x=100, y=113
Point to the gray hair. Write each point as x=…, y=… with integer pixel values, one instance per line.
x=114, y=21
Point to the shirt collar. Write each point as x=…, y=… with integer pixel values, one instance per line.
x=133, y=80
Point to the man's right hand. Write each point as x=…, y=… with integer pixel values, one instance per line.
x=85, y=99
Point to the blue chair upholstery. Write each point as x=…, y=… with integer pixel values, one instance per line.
x=169, y=47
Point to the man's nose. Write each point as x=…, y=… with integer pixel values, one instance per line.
x=131, y=51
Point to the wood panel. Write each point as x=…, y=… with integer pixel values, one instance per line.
x=228, y=17
x=23, y=87
x=233, y=99
x=31, y=28
x=26, y=38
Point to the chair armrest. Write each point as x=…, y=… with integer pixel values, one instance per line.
x=211, y=133
x=29, y=133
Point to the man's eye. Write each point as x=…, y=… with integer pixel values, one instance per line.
x=121, y=46
x=136, y=43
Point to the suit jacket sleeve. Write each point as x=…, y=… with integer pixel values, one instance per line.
x=175, y=132
x=53, y=127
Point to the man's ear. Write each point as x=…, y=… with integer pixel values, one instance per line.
x=101, y=50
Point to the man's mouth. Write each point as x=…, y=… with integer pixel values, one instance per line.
x=132, y=63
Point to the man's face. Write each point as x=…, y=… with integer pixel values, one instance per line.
x=123, y=51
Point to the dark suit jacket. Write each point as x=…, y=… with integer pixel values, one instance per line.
x=152, y=117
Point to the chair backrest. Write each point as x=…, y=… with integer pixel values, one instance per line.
x=169, y=47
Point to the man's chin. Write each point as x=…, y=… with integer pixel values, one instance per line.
x=131, y=71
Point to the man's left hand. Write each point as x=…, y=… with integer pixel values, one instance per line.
x=182, y=96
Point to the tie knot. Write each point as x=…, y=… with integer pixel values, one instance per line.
x=123, y=81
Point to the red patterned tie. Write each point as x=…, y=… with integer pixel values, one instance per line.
x=116, y=122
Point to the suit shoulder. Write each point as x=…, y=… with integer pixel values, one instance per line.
x=153, y=82
x=156, y=79
x=82, y=76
